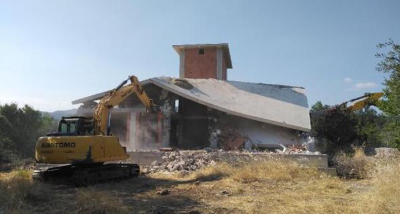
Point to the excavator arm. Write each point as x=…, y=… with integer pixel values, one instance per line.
x=113, y=98
x=358, y=103
x=367, y=100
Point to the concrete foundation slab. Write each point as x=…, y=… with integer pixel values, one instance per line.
x=144, y=159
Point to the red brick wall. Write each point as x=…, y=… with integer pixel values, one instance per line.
x=201, y=66
x=224, y=69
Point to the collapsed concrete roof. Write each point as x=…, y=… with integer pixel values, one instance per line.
x=280, y=105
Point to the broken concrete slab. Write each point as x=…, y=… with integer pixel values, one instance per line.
x=284, y=106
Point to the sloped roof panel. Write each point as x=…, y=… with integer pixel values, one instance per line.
x=285, y=106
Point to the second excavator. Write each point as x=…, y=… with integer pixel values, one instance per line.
x=82, y=146
x=368, y=99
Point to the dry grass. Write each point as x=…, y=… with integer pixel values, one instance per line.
x=384, y=196
x=286, y=187
x=270, y=186
x=274, y=187
x=19, y=193
x=91, y=200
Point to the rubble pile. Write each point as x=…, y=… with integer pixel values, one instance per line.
x=183, y=161
x=192, y=160
x=293, y=149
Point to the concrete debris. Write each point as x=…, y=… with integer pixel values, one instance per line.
x=296, y=149
x=227, y=139
x=184, y=161
x=182, y=83
x=309, y=142
x=192, y=160
x=231, y=139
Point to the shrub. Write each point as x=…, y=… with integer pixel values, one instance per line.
x=352, y=166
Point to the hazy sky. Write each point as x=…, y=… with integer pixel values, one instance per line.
x=53, y=52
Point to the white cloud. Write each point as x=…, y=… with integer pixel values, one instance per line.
x=364, y=85
x=348, y=79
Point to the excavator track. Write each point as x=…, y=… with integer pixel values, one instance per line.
x=104, y=173
x=86, y=176
x=47, y=173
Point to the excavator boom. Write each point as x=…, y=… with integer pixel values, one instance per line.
x=113, y=98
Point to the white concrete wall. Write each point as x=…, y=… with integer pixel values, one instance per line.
x=270, y=134
x=261, y=133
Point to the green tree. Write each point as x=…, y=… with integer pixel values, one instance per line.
x=6, y=145
x=19, y=130
x=339, y=130
x=334, y=129
x=318, y=106
x=390, y=65
x=369, y=127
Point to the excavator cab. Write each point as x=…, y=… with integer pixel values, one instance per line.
x=74, y=126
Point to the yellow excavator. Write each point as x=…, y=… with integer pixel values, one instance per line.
x=84, y=145
x=368, y=99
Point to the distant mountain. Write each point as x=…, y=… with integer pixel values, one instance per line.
x=63, y=113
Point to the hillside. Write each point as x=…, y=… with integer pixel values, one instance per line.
x=63, y=113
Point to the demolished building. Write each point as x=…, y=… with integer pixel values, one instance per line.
x=202, y=108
